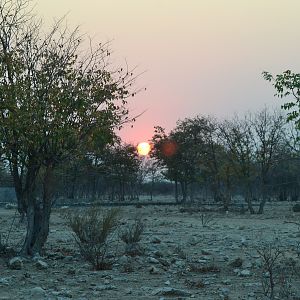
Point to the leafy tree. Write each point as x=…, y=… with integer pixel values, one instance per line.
x=54, y=98
x=195, y=153
x=120, y=164
x=287, y=84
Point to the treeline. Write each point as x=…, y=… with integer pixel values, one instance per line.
x=255, y=156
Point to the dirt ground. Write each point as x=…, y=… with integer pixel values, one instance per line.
x=183, y=258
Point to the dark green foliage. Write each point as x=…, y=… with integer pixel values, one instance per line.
x=287, y=85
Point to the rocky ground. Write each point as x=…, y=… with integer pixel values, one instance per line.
x=188, y=254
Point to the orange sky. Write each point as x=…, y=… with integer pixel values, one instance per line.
x=201, y=56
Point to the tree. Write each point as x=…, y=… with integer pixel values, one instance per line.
x=287, y=84
x=188, y=152
x=120, y=164
x=237, y=138
x=268, y=138
x=54, y=97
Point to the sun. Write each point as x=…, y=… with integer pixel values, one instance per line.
x=143, y=148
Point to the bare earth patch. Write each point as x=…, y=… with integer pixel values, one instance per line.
x=182, y=259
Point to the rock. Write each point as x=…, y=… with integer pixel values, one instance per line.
x=153, y=260
x=134, y=249
x=71, y=271
x=243, y=241
x=236, y=263
x=193, y=241
x=245, y=273
x=128, y=291
x=225, y=291
x=247, y=265
x=16, y=263
x=41, y=264
x=103, y=287
x=296, y=207
x=155, y=240
x=158, y=253
x=205, y=252
x=153, y=270
x=4, y=281
x=123, y=260
x=11, y=206
x=169, y=291
x=37, y=292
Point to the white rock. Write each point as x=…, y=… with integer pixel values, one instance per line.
x=16, y=263
x=41, y=264
x=245, y=273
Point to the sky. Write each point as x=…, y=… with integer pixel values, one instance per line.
x=198, y=56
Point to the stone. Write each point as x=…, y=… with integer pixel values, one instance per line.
x=134, y=249
x=155, y=240
x=153, y=270
x=169, y=291
x=236, y=263
x=205, y=252
x=41, y=264
x=193, y=241
x=11, y=206
x=153, y=260
x=37, y=292
x=16, y=263
x=104, y=287
x=225, y=291
x=245, y=273
x=4, y=281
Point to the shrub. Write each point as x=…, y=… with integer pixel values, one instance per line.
x=270, y=254
x=296, y=207
x=94, y=231
x=132, y=235
x=207, y=220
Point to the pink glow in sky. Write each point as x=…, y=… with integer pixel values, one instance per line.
x=201, y=56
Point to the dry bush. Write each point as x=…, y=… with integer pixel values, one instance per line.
x=7, y=251
x=270, y=254
x=94, y=234
x=133, y=232
x=132, y=235
x=195, y=284
x=207, y=220
x=180, y=252
x=197, y=268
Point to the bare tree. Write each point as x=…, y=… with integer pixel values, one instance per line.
x=268, y=138
x=237, y=138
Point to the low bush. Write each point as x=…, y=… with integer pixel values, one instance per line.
x=131, y=236
x=94, y=232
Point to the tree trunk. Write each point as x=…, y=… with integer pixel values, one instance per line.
x=264, y=198
x=38, y=216
x=183, y=185
x=176, y=191
x=248, y=200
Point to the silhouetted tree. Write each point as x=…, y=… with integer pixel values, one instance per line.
x=53, y=99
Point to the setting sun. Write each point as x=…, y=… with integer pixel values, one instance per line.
x=143, y=148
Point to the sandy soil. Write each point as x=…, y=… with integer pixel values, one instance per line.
x=183, y=259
